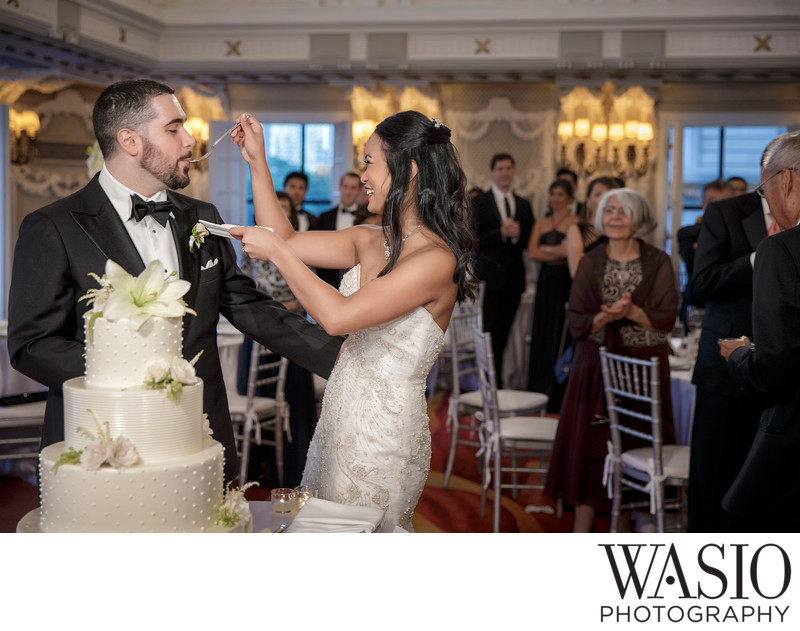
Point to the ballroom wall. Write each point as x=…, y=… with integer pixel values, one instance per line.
x=518, y=118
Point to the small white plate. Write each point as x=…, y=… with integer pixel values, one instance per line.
x=219, y=229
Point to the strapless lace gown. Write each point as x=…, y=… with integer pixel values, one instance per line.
x=372, y=445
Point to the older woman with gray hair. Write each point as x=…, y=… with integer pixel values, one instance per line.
x=623, y=297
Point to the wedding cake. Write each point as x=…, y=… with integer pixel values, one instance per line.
x=137, y=454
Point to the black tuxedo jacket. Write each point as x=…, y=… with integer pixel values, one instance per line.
x=501, y=264
x=722, y=280
x=60, y=244
x=687, y=237
x=768, y=485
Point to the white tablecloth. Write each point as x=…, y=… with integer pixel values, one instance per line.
x=683, y=397
x=229, y=339
x=267, y=520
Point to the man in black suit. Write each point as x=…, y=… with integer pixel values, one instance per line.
x=688, y=235
x=139, y=126
x=725, y=418
x=295, y=185
x=339, y=217
x=504, y=224
x=765, y=496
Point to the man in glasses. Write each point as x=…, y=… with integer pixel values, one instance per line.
x=725, y=417
x=765, y=496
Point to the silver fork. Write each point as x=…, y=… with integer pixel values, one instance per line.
x=211, y=148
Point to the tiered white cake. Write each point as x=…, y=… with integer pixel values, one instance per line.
x=146, y=463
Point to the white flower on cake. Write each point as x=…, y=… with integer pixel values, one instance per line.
x=123, y=454
x=198, y=238
x=158, y=370
x=95, y=455
x=137, y=298
x=235, y=509
x=173, y=376
x=183, y=371
x=119, y=452
x=207, y=431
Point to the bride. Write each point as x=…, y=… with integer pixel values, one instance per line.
x=372, y=444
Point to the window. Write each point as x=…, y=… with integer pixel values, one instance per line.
x=300, y=147
x=709, y=152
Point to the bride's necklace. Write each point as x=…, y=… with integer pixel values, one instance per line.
x=387, y=252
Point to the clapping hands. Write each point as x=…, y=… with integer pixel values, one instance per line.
x=619, y=310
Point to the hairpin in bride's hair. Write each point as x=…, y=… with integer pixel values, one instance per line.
x=436, y=123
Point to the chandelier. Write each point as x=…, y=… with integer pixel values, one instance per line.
x=605, y=132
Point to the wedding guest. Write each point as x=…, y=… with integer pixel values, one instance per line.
x=504, y=224
x=576, y=207
x=738, y=185
x=725, y=417
x=547, y=246
x=765, y=495
x=139, y=126
x=296, y=185
x=582, y=236
x=623, y=297
x=372, y=443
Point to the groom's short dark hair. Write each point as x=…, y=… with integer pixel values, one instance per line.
x=125, y=104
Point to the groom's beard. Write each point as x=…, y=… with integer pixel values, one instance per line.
x=159, y=166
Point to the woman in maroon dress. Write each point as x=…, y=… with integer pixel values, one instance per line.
x=623, y=297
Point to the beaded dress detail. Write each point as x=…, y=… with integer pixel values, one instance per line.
x=372, y=445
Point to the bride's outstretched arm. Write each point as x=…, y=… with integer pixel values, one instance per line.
x=420, y=280
x=328, y=249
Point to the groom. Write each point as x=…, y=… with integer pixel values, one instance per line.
x=139, y=127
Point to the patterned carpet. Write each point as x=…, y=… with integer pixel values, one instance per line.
x=457, y=508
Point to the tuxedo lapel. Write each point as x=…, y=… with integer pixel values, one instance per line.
x=101, y=223
x=754, y=227
x=184, y=219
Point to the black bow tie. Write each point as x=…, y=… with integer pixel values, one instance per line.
x=159, y=210
x=347, y=210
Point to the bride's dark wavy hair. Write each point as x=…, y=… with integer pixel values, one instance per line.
x=439, y=193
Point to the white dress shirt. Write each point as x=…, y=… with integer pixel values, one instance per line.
x=152, y=240
x=346, y=216
x=500, y=199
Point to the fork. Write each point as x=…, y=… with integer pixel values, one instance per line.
x=211, y=148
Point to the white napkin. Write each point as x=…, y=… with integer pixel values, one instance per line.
x=323, y=516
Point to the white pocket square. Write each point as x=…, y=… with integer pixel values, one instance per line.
x=211, y=263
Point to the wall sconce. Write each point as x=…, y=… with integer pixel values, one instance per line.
x=198, y=128
x=633, y=138
x=362, y=130
x=23, y=126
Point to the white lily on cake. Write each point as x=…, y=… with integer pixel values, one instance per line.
x=137, y=298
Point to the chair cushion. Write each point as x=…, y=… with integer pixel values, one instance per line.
x=518, y=401
x=237, y=404
x=675, y=459
x=535, y=428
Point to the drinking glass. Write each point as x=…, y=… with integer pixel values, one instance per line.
x=301, y=495
x=282, y=500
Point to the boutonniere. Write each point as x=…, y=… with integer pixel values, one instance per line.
x=198, y=238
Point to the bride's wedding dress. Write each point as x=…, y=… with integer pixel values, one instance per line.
x=372, y=445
